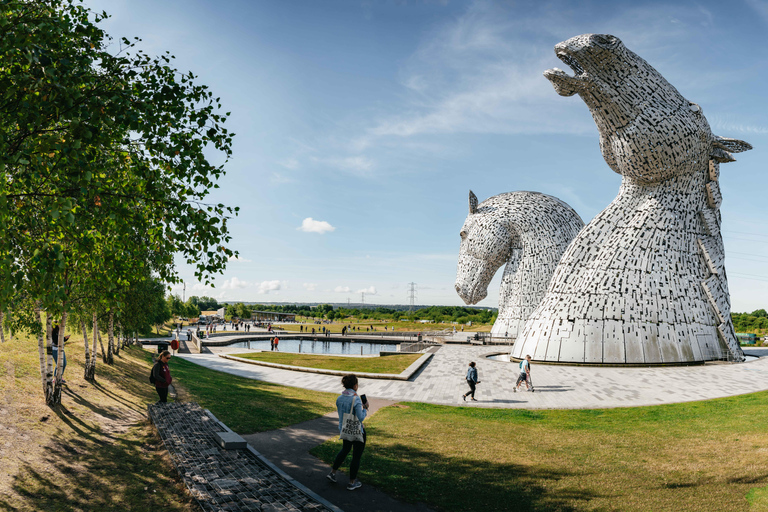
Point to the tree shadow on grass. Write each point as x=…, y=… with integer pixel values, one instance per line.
x=461, y=483
x=96, y=472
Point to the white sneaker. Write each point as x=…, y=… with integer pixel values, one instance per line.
x=356, y=485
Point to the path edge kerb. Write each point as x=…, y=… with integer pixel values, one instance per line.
x=404, y=375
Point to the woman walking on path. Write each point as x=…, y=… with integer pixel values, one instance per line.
x=472, y=381
x=349, y=401
x=162, y=375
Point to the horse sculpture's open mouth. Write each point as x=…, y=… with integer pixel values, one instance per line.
x=564, y=84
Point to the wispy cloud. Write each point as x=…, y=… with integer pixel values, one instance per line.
x=310, y=225
x=371, y=290
x=238, y=259
x=310, y=287
x=724, y=126
x=290, y=163
x=278, y=178
x=342, y=289
x=760, y=7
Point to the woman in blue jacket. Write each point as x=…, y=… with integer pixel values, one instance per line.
x=343, y=405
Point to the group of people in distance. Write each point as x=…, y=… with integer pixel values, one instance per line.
x=523, y=377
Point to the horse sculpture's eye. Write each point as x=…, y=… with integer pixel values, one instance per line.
x=463, y=235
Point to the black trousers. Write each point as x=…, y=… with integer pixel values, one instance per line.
x=163, y=392
x=357, y=452
x=471, y=391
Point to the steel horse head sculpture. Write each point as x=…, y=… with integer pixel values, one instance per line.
x=526, y=230
x=644, y=282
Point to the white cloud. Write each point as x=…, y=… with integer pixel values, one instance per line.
x=342, y=289
x=371, y=290
x=269, y=286
x=310, y=287
x=238, y=259
x=234, y=284
x=310, y=225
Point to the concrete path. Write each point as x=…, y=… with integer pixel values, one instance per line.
x=441, y=381
x=288, y=448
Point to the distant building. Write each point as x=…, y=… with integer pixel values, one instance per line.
x=272, y=316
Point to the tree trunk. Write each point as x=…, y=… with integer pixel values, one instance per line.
x=58, y=373
x=2, y=329
x=103, y=352
x=120, y=335
x=87, y=349
x=90, y=369
x=43, y=346
x=111, y=339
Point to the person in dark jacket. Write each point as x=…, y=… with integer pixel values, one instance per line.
x=162, y=375
x=472, y=381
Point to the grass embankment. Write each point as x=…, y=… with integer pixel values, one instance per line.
x=97, y=451
x=383, y=364
x=698, y=456
x=245, y=405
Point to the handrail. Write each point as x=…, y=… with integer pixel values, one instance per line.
x=197, y=342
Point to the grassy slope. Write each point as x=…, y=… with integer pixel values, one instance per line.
x=384, y=364
x=97, y=451
x=697, y=456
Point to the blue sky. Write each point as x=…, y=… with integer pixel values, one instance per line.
x=361, y=127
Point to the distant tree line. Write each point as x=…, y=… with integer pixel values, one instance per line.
x=437, y=314
x=756, y=321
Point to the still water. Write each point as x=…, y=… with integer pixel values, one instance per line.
x=320, y=347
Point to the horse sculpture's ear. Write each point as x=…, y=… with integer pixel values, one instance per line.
x=731, y=145
x=472, y=202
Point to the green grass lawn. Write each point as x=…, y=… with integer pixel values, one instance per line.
x=384, y=364
x=245, y=405
x=702, y=456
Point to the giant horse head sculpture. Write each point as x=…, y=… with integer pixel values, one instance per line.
x=644, y=282
x=526, y=230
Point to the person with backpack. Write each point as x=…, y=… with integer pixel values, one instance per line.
x=525, y=374
x=161, y=376
x=472, y=381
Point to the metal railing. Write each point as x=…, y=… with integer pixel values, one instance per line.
x=486, y=338
x=416, y=347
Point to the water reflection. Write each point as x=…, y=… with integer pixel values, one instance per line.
x=320, y=347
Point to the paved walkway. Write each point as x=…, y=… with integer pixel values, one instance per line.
x=288, y=448
x=441, y=381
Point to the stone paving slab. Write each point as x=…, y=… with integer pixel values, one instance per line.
x=441, y=381
x=226, y=480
